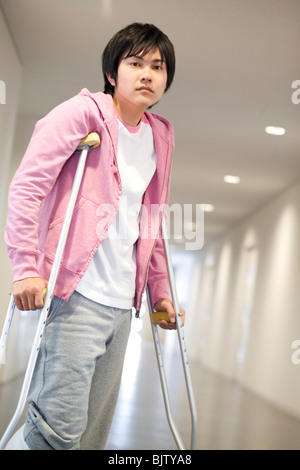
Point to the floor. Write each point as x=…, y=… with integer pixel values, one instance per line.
x=229, y=417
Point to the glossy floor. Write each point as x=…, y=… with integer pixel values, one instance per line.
x=229, y=417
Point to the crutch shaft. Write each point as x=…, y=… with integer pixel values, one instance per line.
x=155, y=318
x=180, y=333
x=6, y=327
x=163, y=380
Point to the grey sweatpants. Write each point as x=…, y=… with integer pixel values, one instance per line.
x=75, y=386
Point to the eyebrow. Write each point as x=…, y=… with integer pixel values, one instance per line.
x=140, y=57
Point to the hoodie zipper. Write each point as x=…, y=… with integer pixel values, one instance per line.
x=115, y=156
x=137, y=315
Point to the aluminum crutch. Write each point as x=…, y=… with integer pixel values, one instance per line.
x=155, y=317
x=89, y=142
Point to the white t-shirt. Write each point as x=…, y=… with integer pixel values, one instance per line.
x=110, y=277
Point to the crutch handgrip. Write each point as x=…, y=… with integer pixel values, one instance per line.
x=92, y=140
x=44, y=293
x=155, y=317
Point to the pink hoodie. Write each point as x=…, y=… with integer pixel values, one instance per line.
x=46, y=175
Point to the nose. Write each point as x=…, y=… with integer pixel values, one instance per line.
x=146, y=74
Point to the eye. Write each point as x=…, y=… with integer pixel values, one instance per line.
x=134, y=64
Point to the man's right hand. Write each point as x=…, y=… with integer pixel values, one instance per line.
x=28, y=293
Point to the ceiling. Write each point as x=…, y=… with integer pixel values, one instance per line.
x=236, y=61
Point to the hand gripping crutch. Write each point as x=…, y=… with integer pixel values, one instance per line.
x=155, y=317
x=89, y=142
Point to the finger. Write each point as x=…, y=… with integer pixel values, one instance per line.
x=171, y=314
x=38, y=300
x=18, y=302
x=172, y=317
x=24, y=302
x=31, y=302
x=167, y=325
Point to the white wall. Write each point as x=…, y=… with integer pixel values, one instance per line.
x=11, y=75
x=245, y=302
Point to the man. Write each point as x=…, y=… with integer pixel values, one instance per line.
x=103, y=273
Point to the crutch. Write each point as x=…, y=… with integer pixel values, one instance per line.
x=155, y=317
x=89, y=142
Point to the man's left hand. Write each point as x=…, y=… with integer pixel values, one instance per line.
x=166, y=305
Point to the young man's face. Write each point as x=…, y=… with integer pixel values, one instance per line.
x=141, y=80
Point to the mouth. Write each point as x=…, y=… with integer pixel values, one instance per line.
x=145, y=88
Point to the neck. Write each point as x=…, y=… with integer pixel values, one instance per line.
x=130, y=115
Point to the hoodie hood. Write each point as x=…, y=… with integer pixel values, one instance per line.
x=107, y=111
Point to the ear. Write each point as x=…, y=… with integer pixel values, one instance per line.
x=111, y=80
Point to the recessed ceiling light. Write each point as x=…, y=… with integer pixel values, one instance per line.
x=232, y=179
x=208, y=207
x=273, y=130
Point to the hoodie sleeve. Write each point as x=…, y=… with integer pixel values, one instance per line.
x=54, y=140
x=158, y=279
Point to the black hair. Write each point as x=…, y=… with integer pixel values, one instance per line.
x=136, y=39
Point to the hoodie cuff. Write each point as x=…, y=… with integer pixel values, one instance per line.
x=24, y=266
x=159, y=290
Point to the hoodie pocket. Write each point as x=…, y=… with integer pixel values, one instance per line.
x=82, y=238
